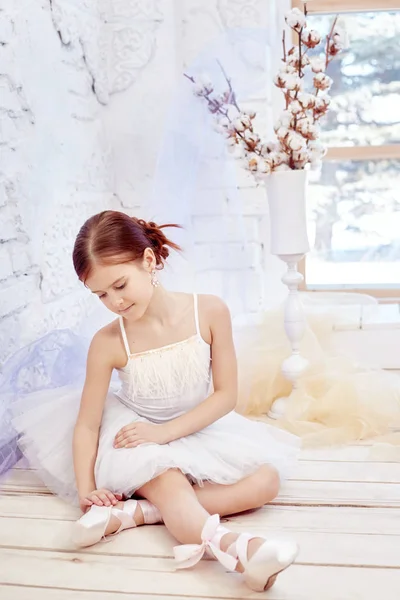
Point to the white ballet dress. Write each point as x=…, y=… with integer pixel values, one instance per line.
x=155, y=386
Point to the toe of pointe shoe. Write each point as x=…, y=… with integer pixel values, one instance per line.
x=266, y=564
x=287, y=553
x=90, y=528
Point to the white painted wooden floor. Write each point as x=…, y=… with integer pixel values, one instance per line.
x=343, y=507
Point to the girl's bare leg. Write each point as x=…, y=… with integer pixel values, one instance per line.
x=182, y=512
x=251, y=492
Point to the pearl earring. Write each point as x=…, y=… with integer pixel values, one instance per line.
x=154, y=280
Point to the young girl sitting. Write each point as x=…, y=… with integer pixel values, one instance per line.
x=170, y=434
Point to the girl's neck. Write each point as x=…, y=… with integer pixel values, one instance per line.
x=162, y=309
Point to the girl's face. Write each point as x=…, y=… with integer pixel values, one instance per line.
x=124, y=288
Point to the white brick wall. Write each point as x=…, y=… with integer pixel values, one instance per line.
x=55, y=166
x=84, y=90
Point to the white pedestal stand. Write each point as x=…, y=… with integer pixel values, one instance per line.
x=287, y=207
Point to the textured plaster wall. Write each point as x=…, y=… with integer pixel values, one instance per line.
x=84, y=90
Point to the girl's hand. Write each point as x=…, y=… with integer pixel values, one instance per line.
x=100, y=497
x=138, y=433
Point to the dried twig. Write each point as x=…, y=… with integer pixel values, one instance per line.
x=328, y=41
x=232, y=95
x=284, y=45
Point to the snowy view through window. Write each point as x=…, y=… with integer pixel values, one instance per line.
x=354, y=205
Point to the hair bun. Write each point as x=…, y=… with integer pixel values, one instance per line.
x=158, y=241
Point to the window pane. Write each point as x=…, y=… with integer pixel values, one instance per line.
x=365, y=108
x=354, y=225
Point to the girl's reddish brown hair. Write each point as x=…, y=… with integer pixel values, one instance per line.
x=112, y=237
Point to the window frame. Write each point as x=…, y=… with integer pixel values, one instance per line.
x=354, y=153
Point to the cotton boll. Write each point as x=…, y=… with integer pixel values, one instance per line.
x=316, y=150
x=268, y=147
x=304, y=125
x=232, y=112
x=293, y=83
x=322, y=104
x=287, y=68
x=311, y=39
x=340, y=38
x=282, y=133
x=285, y=120
x=222, y=121
x=280, y=80
x=295, y=141
x=277, y=158
x=301, y=159
x=265, y=167
x=199, y=89
x=301, y=155
x=295, y=19
x=295, y=107
x=318, y=64
x=306, y=100
x=307, y=128
x=238, y=125
x=251, y=137
x=322, y=81
x=206, y=82
x=203, y=86
x=293, y=59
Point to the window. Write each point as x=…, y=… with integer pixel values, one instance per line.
x=354, y=201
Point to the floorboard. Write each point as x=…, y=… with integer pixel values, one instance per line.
x=342, y=506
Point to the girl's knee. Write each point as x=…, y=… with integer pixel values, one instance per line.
x=163, y=484
x=267, y=484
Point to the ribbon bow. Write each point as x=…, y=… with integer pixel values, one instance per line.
x=189, y=555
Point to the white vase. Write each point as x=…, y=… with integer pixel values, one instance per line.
x=286, y=192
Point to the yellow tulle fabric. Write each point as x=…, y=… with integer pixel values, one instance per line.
x=337, y=402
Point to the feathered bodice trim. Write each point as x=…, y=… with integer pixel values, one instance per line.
x=169, y=371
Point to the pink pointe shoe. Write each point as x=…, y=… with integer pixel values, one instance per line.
x=260, y=571
x=91, y=527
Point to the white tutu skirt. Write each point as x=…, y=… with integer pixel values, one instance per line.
x=225, y=452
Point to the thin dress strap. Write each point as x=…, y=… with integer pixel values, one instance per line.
x=123, y=332
x=196, y=313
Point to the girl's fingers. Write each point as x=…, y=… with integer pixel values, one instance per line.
x=121, y=441
x=124, y=432
x=104, y=498
x=85, y=504
x=111, y=498
x=135, y=443
x=97, y=501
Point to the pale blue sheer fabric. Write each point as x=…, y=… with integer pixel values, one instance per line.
x=53, y=361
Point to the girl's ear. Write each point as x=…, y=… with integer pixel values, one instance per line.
x=149, y=260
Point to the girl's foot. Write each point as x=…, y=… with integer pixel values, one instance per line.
x=101, y=521
x=259, y=559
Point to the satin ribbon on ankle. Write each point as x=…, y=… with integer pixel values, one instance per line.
x=189, y=555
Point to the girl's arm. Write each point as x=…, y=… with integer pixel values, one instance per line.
x=86, y=432
x=224, y=371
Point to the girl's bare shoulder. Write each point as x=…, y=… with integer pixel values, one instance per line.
x=213, y=313
x=212, y=306
x=108, y=347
